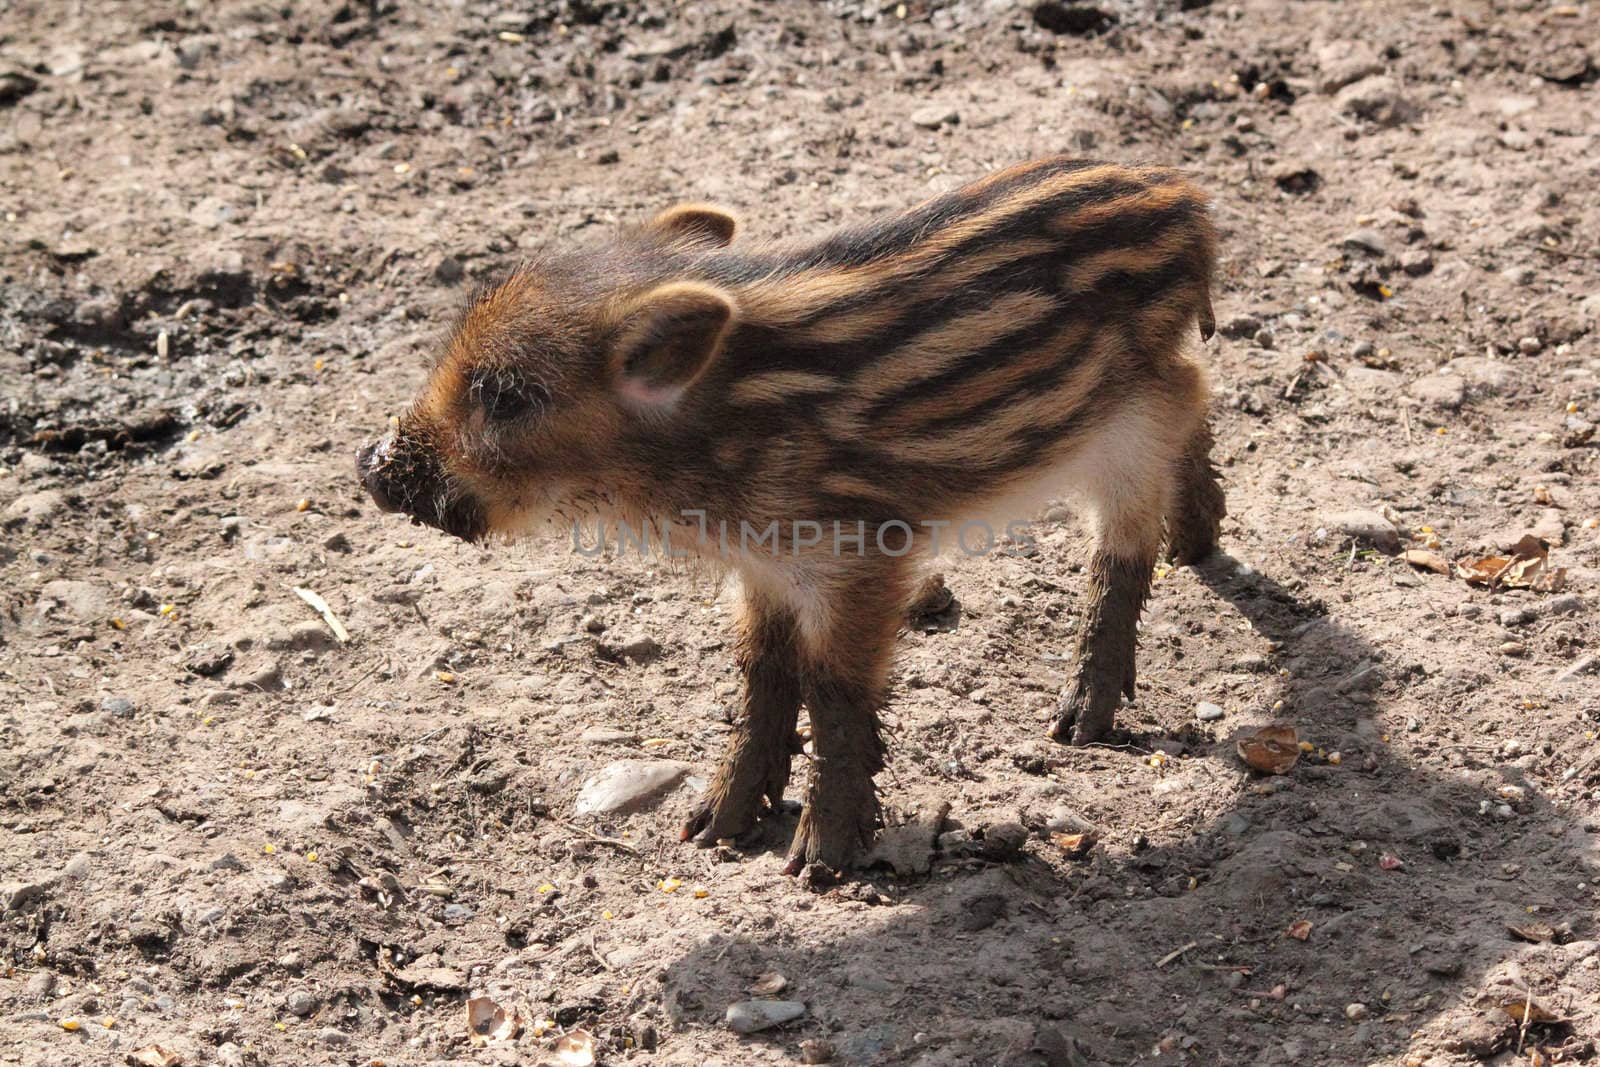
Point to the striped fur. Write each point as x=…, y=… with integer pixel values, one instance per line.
x=1023, y=336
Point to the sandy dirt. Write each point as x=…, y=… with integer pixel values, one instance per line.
x=234, y=232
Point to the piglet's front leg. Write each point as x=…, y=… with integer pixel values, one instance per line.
x=845, y=683
x=755, y=769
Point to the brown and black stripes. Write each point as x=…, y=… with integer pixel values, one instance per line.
x=1024, y=336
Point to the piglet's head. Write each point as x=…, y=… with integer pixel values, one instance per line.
x=557, y=386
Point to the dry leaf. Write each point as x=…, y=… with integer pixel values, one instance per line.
x=488, y=1021
x=768, y=984
x=1300, y=930
x=1074, y=845
x=1526, y=568
x=1271, y=749
x=154, y=1056
x=1535, y=932
x=1518, y=1006
x=575, y=1049
x=1426, y=560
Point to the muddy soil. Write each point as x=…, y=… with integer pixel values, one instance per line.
x=233, y=234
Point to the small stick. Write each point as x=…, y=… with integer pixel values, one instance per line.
x=1175, y=953
x=321, y=607
x=598, y=839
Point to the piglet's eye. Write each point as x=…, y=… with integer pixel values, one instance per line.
x=507, y=394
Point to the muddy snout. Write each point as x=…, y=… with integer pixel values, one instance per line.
x=372, y=467
x=401, y=476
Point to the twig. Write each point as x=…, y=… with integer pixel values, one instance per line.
x=1527, y=1014
x=321, y=607
x=1175, y=953
x=599, y=839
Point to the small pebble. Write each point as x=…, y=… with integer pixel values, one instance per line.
x=1206, y=711
x=121, y=707
x=1355, y=1012
x=749, y=1016
x=300, y=1002
x=333, y=1038
x=931, y=118
x=1529, y=345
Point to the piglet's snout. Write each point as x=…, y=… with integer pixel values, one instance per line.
x=373, y=461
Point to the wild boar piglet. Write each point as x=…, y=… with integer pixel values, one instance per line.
x=821, y=416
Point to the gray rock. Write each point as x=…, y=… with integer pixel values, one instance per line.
x=628, y=784
x=1344, y=61
x=1513, y=617
x=1377, y=99
x=1206, y=711
x=458, y=913
x=1567, y=604
x=1416, y=261
x=1581, y=666
x=301, y=1002
x=1364, y=240
x=121, y=707
x=934, y=116
x=36, y=507
x=1442, y=391
x=77, y=867
x=1241, y=325
x=332, y=1038
x=448, y=271
x=40, y=985
x=87, y=601
x=1486, y=377
x=305, y=636
x=1521, y=274
x=749, y=1016
x=639, y=647
x=20, y=896
x=1367, y=526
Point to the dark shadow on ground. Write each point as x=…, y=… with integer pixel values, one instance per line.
x=1178, y=951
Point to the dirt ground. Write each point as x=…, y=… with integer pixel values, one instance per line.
x=234, y=230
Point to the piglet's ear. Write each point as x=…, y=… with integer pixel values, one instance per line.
x=695, y=222
x=668, y=338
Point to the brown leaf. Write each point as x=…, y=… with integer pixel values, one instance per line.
x=1426, y=560
x=1271, y=749
x=1535, y=932
x=1519, y=1006
x=1525, y=568
x=1075, y=846
x=768, y=984
x=1300, y=930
